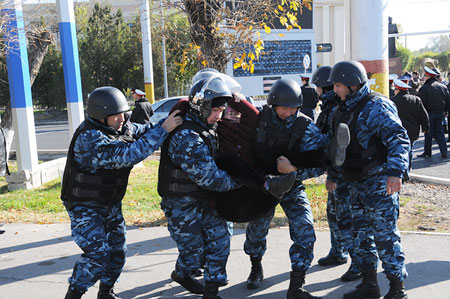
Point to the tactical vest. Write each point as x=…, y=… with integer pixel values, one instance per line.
x=358, y=160
x=106, y=187
x=273, y=140
x=172, y=180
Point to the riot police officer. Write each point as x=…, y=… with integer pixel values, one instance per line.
x=376, y=159
x=338, y=210
x=281, y=130
x=187, y=175
x=101, y=155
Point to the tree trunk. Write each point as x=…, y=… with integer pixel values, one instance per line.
x=203, y=17
x=39, y=41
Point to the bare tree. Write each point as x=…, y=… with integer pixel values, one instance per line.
x=39, y=39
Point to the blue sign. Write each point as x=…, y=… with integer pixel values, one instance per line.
x=281, y=57
x=306, y=61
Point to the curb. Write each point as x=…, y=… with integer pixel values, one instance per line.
x=429, y=179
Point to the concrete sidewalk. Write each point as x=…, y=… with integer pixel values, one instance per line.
x=36, y=260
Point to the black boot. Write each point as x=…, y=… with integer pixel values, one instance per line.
x=280, y=185
x=211, y=290
x=189, y=283
x=396, y=288
x=369, y=287
x=256, y=275
x=296, y=290
x=352, y=274
x=332, y=260
x=73, y=294
x=106, y=292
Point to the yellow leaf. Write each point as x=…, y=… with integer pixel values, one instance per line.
x=236, y=65
x=251, y=56
x=289, y=27
x=252, y=68
x=267, y=29
x=283, y=20
x=307, y=4
x=281, y=34
x=280, y=8
x=204, y=62
x=250, y=28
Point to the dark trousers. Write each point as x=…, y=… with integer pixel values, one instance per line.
x=249, y=202
x=436, y=131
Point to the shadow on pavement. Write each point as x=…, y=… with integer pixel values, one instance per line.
x=427, y=273
x=67, y=262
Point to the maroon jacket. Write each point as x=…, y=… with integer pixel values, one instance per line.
x=234, y=138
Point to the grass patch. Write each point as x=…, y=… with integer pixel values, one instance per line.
x=404, y=200
x=141, y=204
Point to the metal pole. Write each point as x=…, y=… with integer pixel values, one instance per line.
x=418, y=33
x=71, y=63
x=371, y=49
x=163, y=32
x=20, y=87
x=147, y=51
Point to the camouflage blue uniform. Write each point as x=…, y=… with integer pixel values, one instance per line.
x=340, y=222
x=324, y=123
x=338, y=203
x=200, y=233
x=99, y=230
x=374, y=212
x=296, y=206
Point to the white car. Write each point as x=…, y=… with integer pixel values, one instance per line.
x=162, y=108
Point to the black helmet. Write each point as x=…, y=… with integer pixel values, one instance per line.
x=204, y=92
x=286, y=93
x=349, y=73
x=106, y=101
x=321, y=77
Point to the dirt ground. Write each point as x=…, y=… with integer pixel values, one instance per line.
x=425, y=207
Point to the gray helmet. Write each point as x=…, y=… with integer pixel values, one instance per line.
x=321, y=76
x=204, y=92
x=349, y=73
x=106, y=101
x=204, y=74
x=210, y=72
x=286, y=93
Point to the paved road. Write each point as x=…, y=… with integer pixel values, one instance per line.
x=434, y=166
x=36, y=260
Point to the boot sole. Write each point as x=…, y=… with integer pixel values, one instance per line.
x=342, y=141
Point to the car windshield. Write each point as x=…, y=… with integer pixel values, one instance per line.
x=167, y=106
